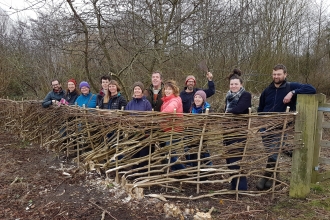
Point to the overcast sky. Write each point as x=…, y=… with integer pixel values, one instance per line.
x=17, y=8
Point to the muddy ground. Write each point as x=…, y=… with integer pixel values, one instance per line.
x=36, y=184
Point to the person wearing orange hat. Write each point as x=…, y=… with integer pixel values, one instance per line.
x=187, y=95
x=72, y=92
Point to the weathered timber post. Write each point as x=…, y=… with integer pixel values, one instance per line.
x=302, y=158
x=318, y=137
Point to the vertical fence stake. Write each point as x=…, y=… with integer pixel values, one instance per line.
x=280, y=150
x=199, y=153
x=170, y=148
x=302, y=158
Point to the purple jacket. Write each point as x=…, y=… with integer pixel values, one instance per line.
x=139, y=104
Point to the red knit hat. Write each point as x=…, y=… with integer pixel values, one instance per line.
x=73, y=81
x=190, y=77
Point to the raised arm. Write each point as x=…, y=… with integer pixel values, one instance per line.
x=211, y=87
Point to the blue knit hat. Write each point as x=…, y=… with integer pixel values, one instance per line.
x=83, y=83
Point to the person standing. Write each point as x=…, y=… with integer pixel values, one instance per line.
x=172, y=103
x=154, y=92
x=139, y=101
x=113, y=98
x=72, y=92
x=86, y=97
x=187, y=95
x=279, y=95
x=54, y=96
x=238, y=101
x=199, y=106
x=105, y=80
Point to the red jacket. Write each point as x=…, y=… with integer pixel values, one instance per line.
x=169, y=104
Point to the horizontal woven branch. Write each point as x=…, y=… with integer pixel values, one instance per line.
x=109, y=141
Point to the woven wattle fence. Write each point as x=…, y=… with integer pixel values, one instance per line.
x=108, y=141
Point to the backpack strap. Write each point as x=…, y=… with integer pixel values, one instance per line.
x=89, y=100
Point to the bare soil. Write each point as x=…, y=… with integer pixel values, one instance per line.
x=36, y=184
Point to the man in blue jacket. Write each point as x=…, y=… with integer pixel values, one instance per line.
x=275, y=98
x=54, y=96
x=187, y=95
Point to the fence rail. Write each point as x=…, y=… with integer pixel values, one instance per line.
x=109, y=141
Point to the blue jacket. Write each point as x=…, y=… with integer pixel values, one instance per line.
x=271, y=99
x=188, y=97
x=200, y=109
x=89, y=100
x=52, y=96
x=139, y=104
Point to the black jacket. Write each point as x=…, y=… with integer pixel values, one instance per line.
x=271, y=99
x=156, y=105
x=71, y=97
x=115, y=102
x=188, y=97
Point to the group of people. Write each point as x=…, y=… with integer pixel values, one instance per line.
x=166, y=97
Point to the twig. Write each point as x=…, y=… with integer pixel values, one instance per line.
x=104, y=210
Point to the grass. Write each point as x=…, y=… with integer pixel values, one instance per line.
x=315, y=206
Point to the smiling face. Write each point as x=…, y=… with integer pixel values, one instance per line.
x=235, y=85
x=56, y=85
x=168, y=91
x=71, y=86
x=84, y=90
x=156, y=80
x=190, y=84
x=105, y=84
x=113, y=89
x=198, y=100
x=138, y=92
x=278, y=77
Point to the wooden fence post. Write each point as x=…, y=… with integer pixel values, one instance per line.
x=302, y=158
x=318, y=137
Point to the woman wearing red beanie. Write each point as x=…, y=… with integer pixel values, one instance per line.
x=72, y=92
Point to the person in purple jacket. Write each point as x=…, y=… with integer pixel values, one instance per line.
x=276, y=98
x=139, y=101
x=238, y=101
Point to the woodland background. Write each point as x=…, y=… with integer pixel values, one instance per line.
x=128, y=39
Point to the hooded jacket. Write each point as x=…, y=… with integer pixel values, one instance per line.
x=53, y=95
x=88, y=100
x=201, y=109
x=188, y=97
x=156, y=105
x=139, y=104
x=271, y=99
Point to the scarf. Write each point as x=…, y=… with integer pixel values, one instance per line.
x=232, y=99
